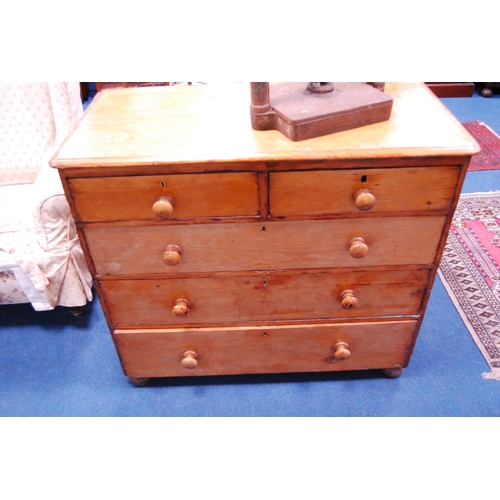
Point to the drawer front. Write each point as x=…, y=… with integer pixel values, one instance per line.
x=193, y=195
x=301, y=348
x=333, y=191
x=321, y=296
x=273, y=245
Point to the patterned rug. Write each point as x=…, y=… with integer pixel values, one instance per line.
x=470, y=271
x=489, y=141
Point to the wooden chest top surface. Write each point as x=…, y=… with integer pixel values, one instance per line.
x=162, y=125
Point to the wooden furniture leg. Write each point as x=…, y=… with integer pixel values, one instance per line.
x=393, y=372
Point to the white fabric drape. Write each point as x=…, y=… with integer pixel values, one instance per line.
x=36, y=225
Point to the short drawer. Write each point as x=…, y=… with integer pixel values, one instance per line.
x=193, y=196
x=298, y=348
x=119, y=250
x=381, y=190
x=272, y=297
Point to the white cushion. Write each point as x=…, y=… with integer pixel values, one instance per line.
x=37, y=231
x=27, y=131
x=16, y=205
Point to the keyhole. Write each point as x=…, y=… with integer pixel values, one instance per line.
x=162, y=184
x=263, y=229
x=364, y=178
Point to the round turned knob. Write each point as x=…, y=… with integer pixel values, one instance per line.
x=181, y=308
x=341, y=351
x=172, y=255
x=364, y=199
x=189, y=360
x=163, y=207
x=358, y=248
x=349, y=301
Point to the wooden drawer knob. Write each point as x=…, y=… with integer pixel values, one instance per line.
x=349, y=301
x=358, y=248
x=364, y=199
x=172, y=255
x=163, y=207
x=189, y=360
x=181, y=308
x=341, y=351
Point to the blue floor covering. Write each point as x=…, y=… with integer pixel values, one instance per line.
x=52, y=364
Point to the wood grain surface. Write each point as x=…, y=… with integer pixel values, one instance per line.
x=331, y=191
x=262, y=255
x=267, y=298
x=118, y=250
x=211, y=123
x=300, y=348
x=194, y=195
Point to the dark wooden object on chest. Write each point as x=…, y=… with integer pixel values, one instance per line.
x=452, y=89
x=303, y=111
x=110, y=85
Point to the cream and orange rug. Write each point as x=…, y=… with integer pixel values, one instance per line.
x=470, y=271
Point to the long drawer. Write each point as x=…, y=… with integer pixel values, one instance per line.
x=318, y=192
x=192, y=195
x=274, y=245
x=271, y=297
x=301, y=348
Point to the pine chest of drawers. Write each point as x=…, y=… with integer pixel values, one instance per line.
x=217, y=249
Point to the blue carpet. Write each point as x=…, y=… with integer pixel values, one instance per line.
x=52, y=364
